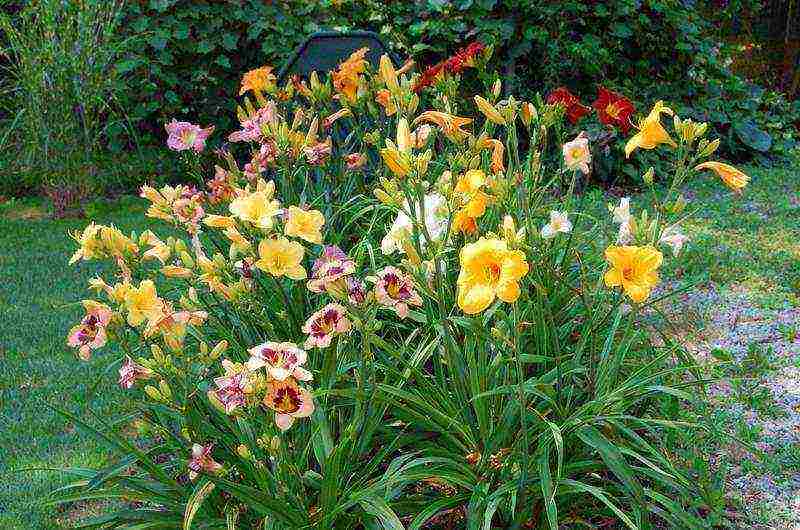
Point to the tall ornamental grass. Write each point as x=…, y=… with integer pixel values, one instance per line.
x=394, y=312
x=60, y=89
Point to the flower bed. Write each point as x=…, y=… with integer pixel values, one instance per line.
x=395, y=316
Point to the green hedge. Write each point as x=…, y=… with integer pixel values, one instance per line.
x=193, y=53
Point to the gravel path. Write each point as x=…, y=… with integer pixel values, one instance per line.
x=760, y=392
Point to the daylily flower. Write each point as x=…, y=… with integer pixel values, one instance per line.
x=395, y=289
x=317, y=154
x=673, y=238
x=131, y=371
x=635, y=269
x=90, y=334
x=258, y=208
x=420, y=135
x=281, y=359
x=251, y=125
x=281, y=257
x=622, y=215
x=356, y=293
x=449, y=124
x=233, y=387
x=142, y=303
x=305, y=224
x=572, y=105
x=510, y=233
x=559, y=222
x=577, y=154
x=732, y=177
x=330, y=275
x=324, y=324
x=184, y=136
x=289, y=401
x=257, y=80
x=355, y=161
x=613, y=109
x=202, y=461
x=470, y=186
x=172, y=325
x=346, y=77
x=651, y=133
x=435, y=223
x=99, y=241
x=158, y=249
x=488, y=270
x=384, y=99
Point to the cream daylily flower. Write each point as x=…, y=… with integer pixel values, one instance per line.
x=559, y=222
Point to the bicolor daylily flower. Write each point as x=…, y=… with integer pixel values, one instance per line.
x=280, y=359
x=202, y=461
x=289, y=401
x=233, y=387
x=324, y=324
x=90, y=334
x=395, y=289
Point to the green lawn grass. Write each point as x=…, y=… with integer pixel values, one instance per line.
x=38, y=295
x=752, y=242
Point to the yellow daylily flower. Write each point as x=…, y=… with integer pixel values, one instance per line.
x=219, y=221
x=488, y=270
x=397, y=157
x=651, y=133
x=732, y=177
x=347, y=77
x=305, y=224
x=257, y=208
x=281, y=257
x=635, y=269
x=388, y=73
x=142, y=303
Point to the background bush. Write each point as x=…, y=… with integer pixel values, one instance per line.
x=189, y=57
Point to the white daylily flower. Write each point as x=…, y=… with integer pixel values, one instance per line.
x=622, y=213
x=672, y=237
x=401, y=229
x=559, y=222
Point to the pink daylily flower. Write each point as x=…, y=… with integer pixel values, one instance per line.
x=202, y=461
x=90, y=334
x=251, y=127
x=395, y=289
x=131, y=371
x=184, y=136
x=281, y=359
x=324, y=324
x=232, y=387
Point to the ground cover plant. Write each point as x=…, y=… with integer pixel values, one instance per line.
x=481, y=363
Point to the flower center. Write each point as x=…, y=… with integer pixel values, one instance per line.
x=287, y=400
x=614, y=110
x=627, y=273
x=493, y=271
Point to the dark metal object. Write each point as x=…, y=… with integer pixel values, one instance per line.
x=324, y=50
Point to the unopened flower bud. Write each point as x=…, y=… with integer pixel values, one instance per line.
x=496, y=88
x=649, y=176
x=153, y=393
x=219, y=349
x=165, y=389
x=243, y=452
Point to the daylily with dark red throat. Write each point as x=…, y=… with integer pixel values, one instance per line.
x=289, y=401
x=324, y=324
x=281, y=360
x=90, y=334
x=395, y=289
x=233, y=387
x=614, y=109
x=202, y=461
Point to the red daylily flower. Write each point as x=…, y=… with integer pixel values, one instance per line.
x=574, y=108
x=614, y=109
